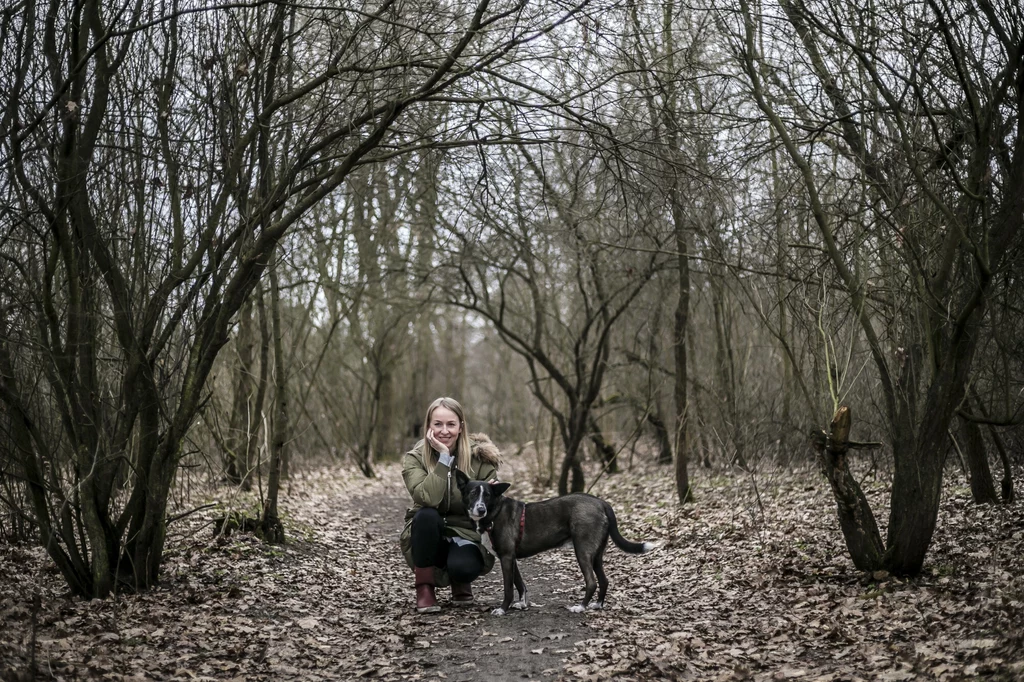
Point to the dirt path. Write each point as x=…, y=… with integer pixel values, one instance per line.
x=334, y=603
x=470, y=643
x=746, y=586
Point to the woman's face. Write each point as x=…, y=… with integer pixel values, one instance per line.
x=445, y=425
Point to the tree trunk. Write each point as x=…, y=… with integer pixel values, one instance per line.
x=780, y=294
x=605, y=451
x=270, y=525
x=364, y=461
x=682, y=315
x=695, y=412
x=662, y=437
x=983, y=489
x=420, y=340
x=725, y=364
x=551, y=450
x=252, y=457
x=364, y=456
x=386, y=413
x=916, y=488
x=917, y=476
x=240, y=424
x=570, y=463
x=1007, y=482
x=145, y=552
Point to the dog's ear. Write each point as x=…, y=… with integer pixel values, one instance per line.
x=500, y=488
x=461, y=478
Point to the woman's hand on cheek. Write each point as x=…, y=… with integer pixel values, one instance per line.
x=435, y=443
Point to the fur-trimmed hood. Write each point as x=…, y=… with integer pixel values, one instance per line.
x=481, y=446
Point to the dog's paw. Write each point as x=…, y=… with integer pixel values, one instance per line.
x=577, y=608
x=521, y=605
x=498, y=612
x=595, y=606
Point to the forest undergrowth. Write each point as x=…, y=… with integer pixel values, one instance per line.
x=751, y=582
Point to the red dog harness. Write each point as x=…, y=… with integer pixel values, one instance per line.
x=522, y=527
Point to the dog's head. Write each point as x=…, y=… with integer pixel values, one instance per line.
x=480, y=497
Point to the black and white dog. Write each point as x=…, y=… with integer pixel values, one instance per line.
x=512, y=530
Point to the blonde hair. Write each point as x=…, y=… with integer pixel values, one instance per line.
x=461, y=451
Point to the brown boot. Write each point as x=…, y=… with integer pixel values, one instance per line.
x=426, y=602
x=462, y=594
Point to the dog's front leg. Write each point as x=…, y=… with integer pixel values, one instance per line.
x=521, y=588
x=508, y=571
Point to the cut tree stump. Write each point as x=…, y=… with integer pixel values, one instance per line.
x=856, y=519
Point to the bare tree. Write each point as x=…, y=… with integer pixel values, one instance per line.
x=154, y=157
x=923, y=118
x=553, y=286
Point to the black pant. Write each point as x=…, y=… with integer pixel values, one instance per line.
x=430, y=547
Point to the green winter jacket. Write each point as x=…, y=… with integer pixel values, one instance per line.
x=430, y=485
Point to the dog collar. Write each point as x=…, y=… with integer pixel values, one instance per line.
x=486, y=540
x=486, y=529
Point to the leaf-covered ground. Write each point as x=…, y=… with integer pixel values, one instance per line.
x=751, y=581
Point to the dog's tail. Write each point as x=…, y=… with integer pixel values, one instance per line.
x=624, y=544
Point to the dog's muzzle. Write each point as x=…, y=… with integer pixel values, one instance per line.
x=476, y=508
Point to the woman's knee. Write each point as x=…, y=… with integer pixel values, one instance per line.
x=465, y=565
x=427, y=538
x=427, y=519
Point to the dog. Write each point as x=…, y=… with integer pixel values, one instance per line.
x=510, y=530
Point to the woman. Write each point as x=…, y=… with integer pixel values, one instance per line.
x=440, y=541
